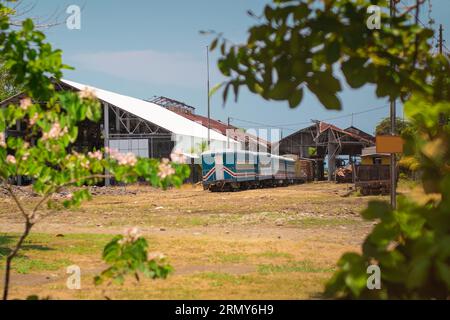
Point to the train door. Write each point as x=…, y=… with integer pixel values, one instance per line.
x=218, y=164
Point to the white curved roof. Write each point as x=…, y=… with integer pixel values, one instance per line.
x=153, y=113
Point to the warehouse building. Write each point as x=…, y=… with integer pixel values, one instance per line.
x=142, y=127
x=247, y=140
x=326, y=142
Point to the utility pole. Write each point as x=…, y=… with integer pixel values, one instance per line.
x=209, y=104
x=393, y=116
x=443, y=119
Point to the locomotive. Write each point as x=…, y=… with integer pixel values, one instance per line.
x=231, y=170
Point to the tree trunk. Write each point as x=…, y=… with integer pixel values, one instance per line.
x=11, y=256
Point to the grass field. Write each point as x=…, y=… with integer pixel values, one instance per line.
x=278, y=243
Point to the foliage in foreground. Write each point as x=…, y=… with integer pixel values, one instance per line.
x=128, y=255
x=49, y=120
x=412, y=243
x=297, y=46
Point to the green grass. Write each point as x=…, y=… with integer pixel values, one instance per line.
x=222, y=257
x=46, y=252
x=218, y=279
x=319, y=222
x=274, y=255
x=297, y=266
x=25, y=265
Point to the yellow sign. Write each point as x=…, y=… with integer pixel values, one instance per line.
x=389, y=144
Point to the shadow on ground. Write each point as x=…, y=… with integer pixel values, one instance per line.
x=7, y=242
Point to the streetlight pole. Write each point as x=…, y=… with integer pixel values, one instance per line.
x=209, y=104
x=393, y=130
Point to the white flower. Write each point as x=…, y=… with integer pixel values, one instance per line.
x=25, y=156
x=87, y=93
x=96, y=155
x=130, y=235
x=177, y=156
x=25, y=103
x=34, y=119
x=85, y=164
x=11, y=159
x=111, y=150
x=155, y=256
x=2, y=140
x=128, y=159
x=165, y=169
x=55, y=132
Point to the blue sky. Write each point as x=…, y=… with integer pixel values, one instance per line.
x=146, y=48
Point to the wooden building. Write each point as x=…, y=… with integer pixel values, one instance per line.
x=322, y=141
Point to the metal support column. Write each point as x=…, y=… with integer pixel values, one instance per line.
x=106, y=136
x=117, y=117
x=228, y=133
x=331, y=155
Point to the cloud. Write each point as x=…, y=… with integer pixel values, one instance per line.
x=147, y=66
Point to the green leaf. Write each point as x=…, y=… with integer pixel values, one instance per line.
x=216, y=88
x=443, y=272
x=328, y=100
x=418, y=273
x=213, y=44
x=296, y=98
x=28, y=25
x=378, y=210
x=333, y=52
x=282, y=90
x=354, y=72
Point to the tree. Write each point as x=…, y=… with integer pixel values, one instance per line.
x=297, y=46
x=17, y=14
x=384, y=126
x=6, y=88
x=43, y=152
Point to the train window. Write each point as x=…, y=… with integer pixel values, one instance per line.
x=376, y=160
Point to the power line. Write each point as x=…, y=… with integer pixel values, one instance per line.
x=288, y=125
x=425, y=26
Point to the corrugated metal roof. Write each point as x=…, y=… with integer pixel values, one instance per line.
x=323, y=126
x=153, y=113
x=235, y=133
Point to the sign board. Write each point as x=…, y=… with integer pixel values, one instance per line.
x=389, y=144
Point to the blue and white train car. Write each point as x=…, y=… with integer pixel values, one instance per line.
x=229, y=169
x=264, y=173
x=283, y=170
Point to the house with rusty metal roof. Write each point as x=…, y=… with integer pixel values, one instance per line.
x=326, y=142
